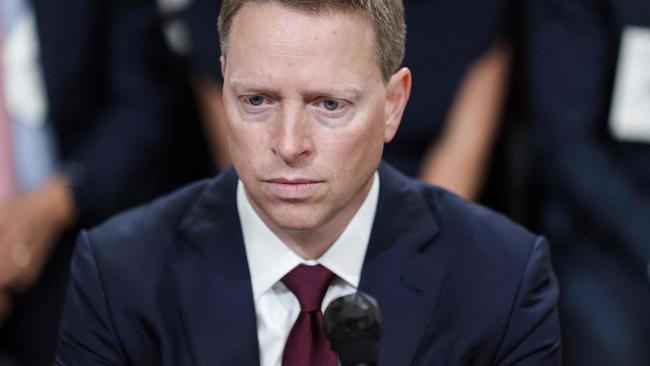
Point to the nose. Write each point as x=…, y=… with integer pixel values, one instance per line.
x=293, y=140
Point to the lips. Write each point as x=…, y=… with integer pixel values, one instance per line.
x=297, y=188
x=293, y=181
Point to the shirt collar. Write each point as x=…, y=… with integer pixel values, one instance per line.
x=269, y=259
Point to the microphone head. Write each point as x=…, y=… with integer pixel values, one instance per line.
x=353, y=326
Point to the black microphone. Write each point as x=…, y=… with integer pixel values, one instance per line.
x=353, y=326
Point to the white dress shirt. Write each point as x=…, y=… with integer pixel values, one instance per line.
x=269, y=259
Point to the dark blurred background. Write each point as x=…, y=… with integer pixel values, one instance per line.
x=539, y=109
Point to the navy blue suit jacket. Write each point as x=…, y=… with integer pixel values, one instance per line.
x=168, y=284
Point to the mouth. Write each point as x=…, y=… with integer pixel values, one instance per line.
x=296, y=188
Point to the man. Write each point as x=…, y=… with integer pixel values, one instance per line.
x=236, y=270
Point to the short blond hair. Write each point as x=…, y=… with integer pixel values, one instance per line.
x=386, y=17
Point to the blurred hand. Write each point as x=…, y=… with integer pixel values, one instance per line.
x=30, y=224
x=471, y=127
x=213, y=117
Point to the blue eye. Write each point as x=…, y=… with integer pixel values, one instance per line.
x=256, y=100
x=331, y=104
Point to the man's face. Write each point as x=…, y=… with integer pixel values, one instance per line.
x=307, y=113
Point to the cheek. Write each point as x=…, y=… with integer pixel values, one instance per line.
x=355, y=149
x=240, y=133
x=243, y=137
x=246, y=145
x=247, y=135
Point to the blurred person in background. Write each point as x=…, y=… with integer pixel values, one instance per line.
x=461, y=53
x=96, y=115
x=590, y=83
x=201, y=17
x=192, y=29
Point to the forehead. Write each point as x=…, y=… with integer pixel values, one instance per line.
x=272, y=42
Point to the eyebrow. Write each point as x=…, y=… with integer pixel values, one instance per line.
x=344, y=91
x=241, y=85
x=347, y=92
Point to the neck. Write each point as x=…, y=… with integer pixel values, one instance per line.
x=308, y=245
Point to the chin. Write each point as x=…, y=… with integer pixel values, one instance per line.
x=295, y=220
x=298, y=224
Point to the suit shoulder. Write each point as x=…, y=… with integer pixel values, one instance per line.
x=147, y=225
x=473, y=228
x=468, y=227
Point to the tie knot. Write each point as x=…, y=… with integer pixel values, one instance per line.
x=309, y=284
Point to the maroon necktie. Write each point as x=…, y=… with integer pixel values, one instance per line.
x=307, y=344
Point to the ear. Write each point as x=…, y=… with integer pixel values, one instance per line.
x=397, y=94
x=222, y=61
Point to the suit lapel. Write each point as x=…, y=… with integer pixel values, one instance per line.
x=213, y=280
x=404, y=277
